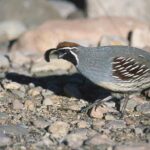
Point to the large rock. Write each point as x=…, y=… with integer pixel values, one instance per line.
x=139, y=9
x=30, y=12
x=10, y=30
x=141, y=37
x=49, y=34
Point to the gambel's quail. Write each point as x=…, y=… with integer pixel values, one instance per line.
x=120, y=69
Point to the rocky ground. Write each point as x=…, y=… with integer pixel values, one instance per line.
x=41, y=103
x=36, y=111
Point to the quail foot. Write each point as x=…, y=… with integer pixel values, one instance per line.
x=121, y=69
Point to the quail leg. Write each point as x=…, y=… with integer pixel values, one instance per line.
x=96, y=103
x=122, y=110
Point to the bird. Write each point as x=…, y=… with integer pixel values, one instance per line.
x=122, y=70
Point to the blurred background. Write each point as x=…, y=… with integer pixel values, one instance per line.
x=36, y=25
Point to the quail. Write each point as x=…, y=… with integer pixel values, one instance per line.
x=120, y=69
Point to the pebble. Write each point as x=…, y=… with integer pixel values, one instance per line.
x=46, y=141
x=138, y=131
x=100, y=111
x=143, y=108
x=109, y=117
x=3, y=116
x=34, y=92
x=12, y=85
x=59, y=129
x=98, y=124
x=115, y=124
x=4, y=63
x=41, y=123
x=4, y=140
x=15, y=130
x=99, y=139
x=47, y=101
x=133, y=102
x=17, y=104
x=83, y=124
x=53, y=100
x=133, y=147
x=46, y=93
x=74, y=105
x=29, y=105
x=75, y=140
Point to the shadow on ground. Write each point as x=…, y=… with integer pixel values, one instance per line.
x=90, y=92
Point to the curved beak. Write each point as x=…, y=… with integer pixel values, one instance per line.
x=51, y=53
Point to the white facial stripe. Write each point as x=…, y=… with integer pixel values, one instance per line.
x=69, y=48
x=76, y=57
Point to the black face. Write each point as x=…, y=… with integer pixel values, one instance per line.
x=69, y=54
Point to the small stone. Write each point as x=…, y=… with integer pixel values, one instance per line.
x=110, y=104
x=72, y=90
x=75, y=140
x=100, y=111
x=74, y=104
x=41, y=123
x=4, y=140
x=3, y=118
x=109, y=117
x=12, y=86
x=46, y=93
x=83, y=124
x=143, y=108
x=99, y=139
x=4, y=63
x=45, y=141
x=133, y=102
x=133, y=147
x=34, y=92
x=59, y=129
x=129, y=121
x=17, y=104
x=47, y=101
x=113, y=40
x=98, y=124
x=138, y=131
x=29, y=105
x=16, y=130
x=116, y=124
x=54, y=100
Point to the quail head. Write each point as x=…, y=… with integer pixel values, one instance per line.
x=120, y=69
